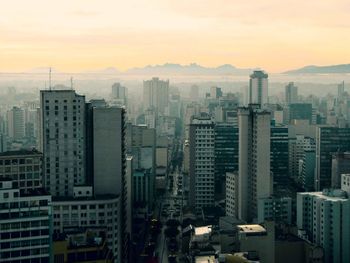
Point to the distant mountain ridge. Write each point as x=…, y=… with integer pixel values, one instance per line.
x=312, y=69
x=190, y=69
x=164, y=69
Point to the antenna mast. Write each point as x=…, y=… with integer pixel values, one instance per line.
x=50, y=79
x=71, y=83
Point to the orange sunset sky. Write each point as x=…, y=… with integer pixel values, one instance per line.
x=90, y=34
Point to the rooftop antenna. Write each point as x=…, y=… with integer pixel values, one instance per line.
x=71, y=83
x=50, y=79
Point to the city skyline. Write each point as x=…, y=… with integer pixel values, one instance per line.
x=94, y=34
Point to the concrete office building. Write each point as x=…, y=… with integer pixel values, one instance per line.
x=308, y=164
x=15, y=123
x=291, y=93
x=340, y=165
x=156, y=94
x=255, y=180
x=258, y=88
x=328, y=140
x=299, y=111
x=259, y=239
x=63, y=140
x=90, y=211
x=324, y=219
x=226, y=154
x=231, y=194
x=119, y=93
x=277, y=209
x=25, y=224
x=108, y=150
x=202, y=162
x=23, y=167
x=297, y=148
x=279, y=155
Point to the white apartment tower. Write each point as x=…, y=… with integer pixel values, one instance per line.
x=201, y=172
x=254, y=177
x=324, y=219
x=258, y=88
x=15, y=123
x=156, y=94
x=63, y=140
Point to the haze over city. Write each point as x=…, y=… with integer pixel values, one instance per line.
x=158, y=131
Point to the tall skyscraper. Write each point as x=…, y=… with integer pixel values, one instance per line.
x=328, y=140
x=108, y=150
x=226, y=154
x=156, y=94
x=341, y=90
x=202, y=162
x=279, y=155
x=291, y=93
x=15, y=123
x=258, y=88
x=63, y=140
x=119, y=93
x=255, y=180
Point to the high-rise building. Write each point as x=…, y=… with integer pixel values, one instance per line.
x=25, y=223
x=156, y=94
x=23, y=167
x=279, y=155
x=215, y=92
x=255, y=180
x=226, y=154
x=108, y=150
x=297, y=148
x=258, y=88
x=308, y=164
x=15, y=123
x=324, y=219
x=231, y=194
x=291, y=93
x=119, y=93
x=202, y=162
x=299, y=111
x=328, y=140
x=341, y=90
x=277, y=209
x=63, y=140
x=340, y=165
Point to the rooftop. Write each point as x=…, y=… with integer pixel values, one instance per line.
x=329, y=194
x=205, y=259
x=251, y=229
x=202, y=230
x=87, y=198
x=19, y=152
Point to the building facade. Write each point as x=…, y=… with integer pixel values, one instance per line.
x=63, y=140
x=25, y=225
x=255, y=180
x=202, y=162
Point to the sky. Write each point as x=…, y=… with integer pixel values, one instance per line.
x=76, y=35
